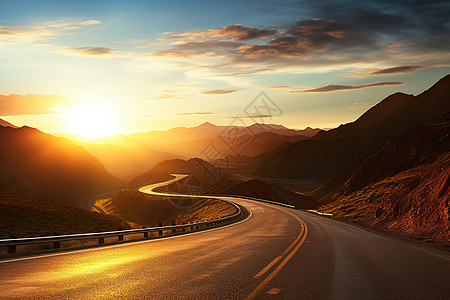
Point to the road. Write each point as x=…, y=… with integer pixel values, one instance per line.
x=277, y=252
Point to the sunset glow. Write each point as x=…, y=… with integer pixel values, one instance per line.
x=275, y=149
x=93, y=121
x=323, y=65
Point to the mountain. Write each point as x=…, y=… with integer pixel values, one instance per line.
x=37, y=164
x=203, y=176
x=260, y=189
x=398, y=113
x=282, y=130
x=125, y=162
x=374, y=121
x=327, y=153
x=149, y=178
x=127, y=155
x=171, y=140
x=6, y=124
x=403, y=188
x=420, y=146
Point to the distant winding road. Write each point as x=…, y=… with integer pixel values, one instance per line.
x=277, y=252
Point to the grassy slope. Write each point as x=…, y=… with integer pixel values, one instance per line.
x=22, y=216
x=140, y=209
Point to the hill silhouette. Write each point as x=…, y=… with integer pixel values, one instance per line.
x=41, y=165
x=6, y=124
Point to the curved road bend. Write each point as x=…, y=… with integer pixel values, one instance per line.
x=276, y=253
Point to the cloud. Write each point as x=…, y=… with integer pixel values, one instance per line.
x=362, y=104
x=92, y=50
x=191, y=49
x=236, y=32
x=241, y=33
x=341, y=35
x=12, y=105
x=400, y=45
x=317, y=28
x=10, y=30
x=161, y=96
x=310, y=35
x=195, y=113
x=277, y=87
x=337, y=87
x=364, y=73
x=253, y=117
x=218, y=92
x=91, y=22
x=49, y=30
x=397, y=70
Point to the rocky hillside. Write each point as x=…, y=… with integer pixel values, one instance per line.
x=403, y=188
x=419, y=208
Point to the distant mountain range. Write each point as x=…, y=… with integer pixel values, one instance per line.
x=6, y=124
x=126, y=156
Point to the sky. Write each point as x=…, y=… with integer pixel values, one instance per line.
x=133, y=66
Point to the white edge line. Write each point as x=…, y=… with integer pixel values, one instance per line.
x=130, y=243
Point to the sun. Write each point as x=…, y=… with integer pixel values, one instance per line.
x=93, y=121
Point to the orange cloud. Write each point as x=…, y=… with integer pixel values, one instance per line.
x=397, y=70
x=218, y=92
x=12, y=105
x=10, y=30
x=337, y=87
x=253, y=117
x=362, y=104
x=195, y=113
x=93, y=50
x=91, y=22
x=363, y=73
x=234, y=32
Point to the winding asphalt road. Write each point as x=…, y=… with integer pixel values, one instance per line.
x=277, y=252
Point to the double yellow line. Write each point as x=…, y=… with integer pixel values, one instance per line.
x=287, y=255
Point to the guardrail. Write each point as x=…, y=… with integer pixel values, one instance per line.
x=328, y=215
x=12, y=243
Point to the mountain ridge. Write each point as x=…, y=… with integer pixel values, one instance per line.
x=38, y=164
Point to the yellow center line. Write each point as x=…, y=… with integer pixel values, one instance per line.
x=300, y=239
x=267, y=268
x=273, y=262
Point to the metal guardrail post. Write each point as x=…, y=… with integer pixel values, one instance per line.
x=160, y=225
x=12, y=248
x=56, y=244
x=145, y=233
